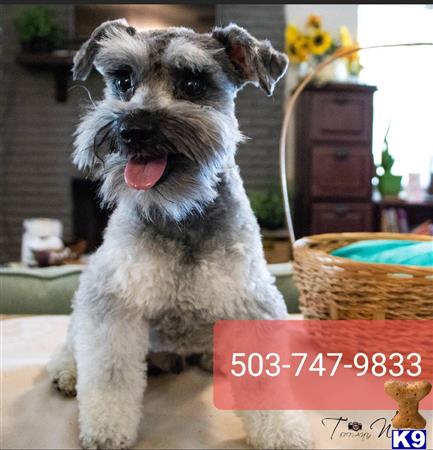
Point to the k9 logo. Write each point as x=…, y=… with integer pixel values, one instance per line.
x=409, y=439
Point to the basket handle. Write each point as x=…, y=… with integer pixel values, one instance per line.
x=288, y=110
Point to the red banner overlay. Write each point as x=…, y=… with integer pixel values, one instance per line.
x=312, y=364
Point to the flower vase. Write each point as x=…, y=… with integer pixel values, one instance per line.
x=303, y=70
x=333, y=72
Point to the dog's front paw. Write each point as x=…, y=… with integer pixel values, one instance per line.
x=65, y=382
x=63, y=371
x=279, y=430
x=111, y=440
x=105, y=426
x=101, y=435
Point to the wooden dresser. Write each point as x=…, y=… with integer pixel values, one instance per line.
x=333, y=159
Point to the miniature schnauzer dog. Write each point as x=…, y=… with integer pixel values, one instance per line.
x=182, y=249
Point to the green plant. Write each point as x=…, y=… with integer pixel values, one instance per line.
x=389, y=184
x=387, y=161
x=268, y=207
x=37, y=28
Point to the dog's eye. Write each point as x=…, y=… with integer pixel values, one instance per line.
x=193, y=86
x=123, y=82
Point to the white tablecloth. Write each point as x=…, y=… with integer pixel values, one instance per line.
x=178, y=410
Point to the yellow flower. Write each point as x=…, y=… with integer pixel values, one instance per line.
x=314, y=21
x=345, y=37
x=354, y=67
x=347, y=43
x=291, y=33
x=298, y=50
x=320, y=42
x=353, y=56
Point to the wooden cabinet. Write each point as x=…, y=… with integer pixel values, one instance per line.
x=333, y=159
x=340, y=217
x=340, y=116
x=342, y=171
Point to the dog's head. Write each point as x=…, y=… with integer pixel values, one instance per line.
x=166, y=126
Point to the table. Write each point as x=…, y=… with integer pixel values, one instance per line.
x=178, y=409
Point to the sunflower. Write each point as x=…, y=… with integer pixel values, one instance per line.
x=298, y=49
x=290, y=34
x=314, y=21
x=320, y=42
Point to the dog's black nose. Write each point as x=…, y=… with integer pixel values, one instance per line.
x=137, y=128
x=125, y=134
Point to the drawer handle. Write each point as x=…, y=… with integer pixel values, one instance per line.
x=341, y=154
x=341, y=210
x=341, y=100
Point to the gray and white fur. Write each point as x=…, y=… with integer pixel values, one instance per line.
x=182, y=255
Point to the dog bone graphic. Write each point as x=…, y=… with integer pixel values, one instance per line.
x=408, y=396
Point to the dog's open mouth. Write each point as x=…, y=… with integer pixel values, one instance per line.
x=143, y=174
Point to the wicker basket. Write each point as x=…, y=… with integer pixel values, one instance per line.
x=332, y=287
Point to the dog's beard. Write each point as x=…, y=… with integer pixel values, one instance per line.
x=199, y=142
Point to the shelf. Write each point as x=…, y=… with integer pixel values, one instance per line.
x=281, y=233
x=345, y=87
x=58, y=62
x=385, y=202
x=416, y=213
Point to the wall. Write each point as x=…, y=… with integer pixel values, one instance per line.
x=333, y=15
x=36, y=140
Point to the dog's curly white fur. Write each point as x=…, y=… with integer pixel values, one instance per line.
x=187, y=252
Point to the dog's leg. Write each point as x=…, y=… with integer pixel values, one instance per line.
x=271, y=429
x=267, y=429
x=110, y=354
x=63, y=371
x=62, y=367
x=276, y=429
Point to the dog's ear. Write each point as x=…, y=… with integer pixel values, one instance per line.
x=252, y=61
x=84, y=58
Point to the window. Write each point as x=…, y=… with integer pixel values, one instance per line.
x=404, y=77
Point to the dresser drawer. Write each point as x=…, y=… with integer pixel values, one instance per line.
x=341, y=217
x=341, y=116
x=341, y=171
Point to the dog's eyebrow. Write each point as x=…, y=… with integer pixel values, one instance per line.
x=121, y=51
x=182, y=53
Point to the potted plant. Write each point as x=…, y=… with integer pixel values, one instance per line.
x=268, y=207
x=37, y=29
x=389, y=184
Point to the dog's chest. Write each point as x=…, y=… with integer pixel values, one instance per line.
x=181, y=331
x=183, y=299
x=166, y=284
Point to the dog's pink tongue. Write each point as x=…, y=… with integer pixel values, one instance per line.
x=144, y=175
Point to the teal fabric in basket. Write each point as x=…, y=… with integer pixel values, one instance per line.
x=384, y=251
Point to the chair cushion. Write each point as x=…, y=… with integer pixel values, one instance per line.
x=38, y=290
x=49, y=290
